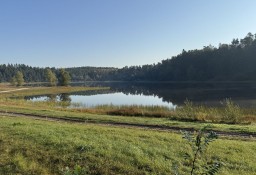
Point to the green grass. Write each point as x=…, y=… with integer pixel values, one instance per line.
x=30, y=146
x=40, y=147
x=229, y=113
x=45, y=109
x=30, y=91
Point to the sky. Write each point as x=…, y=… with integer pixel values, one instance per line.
x=116, y=33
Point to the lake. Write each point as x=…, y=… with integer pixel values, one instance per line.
x=168, y=94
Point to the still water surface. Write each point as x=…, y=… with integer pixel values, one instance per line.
x=117, y=98
x=161, y=94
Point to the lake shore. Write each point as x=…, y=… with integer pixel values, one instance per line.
x=66, y=132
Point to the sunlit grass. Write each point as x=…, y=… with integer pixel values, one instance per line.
x=188, y=116
x=30, y=91
x=228, y=113
x=49, y=109
x=40, y=147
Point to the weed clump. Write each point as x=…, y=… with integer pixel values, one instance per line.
x=196, y=158
x=229, y=113
x=232, y=112
x=187, y=112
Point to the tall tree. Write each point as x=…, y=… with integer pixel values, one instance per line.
x=19, y=78
x=51, y=77
x=64, y=78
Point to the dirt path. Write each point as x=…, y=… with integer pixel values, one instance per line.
x=130, y=125
x=13, y=90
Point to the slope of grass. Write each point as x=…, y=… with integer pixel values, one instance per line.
x=40, y=147
x=36, y=109
x=49, y=109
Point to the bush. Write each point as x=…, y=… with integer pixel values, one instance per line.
x=232, y=112
x=187, y=112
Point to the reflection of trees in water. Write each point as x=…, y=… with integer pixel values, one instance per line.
x=92, y=92
x=177, y=93
x=65, y=100
x=52, y=97
x=65, y=97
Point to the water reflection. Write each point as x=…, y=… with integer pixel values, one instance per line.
x=164, y=94
x=52, y=97
x=209, y=94
x=65, y=97
x=83, y=99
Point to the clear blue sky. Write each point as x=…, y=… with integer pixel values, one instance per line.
x=68, y=33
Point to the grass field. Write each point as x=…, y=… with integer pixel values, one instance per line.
x=49, y=109
x=30, y=91
x=40, y=147
x=30, y=146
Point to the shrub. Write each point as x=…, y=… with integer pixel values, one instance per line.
x=187, y=112
x=232, y=112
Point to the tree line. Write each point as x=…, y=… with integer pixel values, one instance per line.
x=227, y=62
x=18, y=74
x=35, y=74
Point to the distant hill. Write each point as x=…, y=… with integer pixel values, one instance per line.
x=229, y=62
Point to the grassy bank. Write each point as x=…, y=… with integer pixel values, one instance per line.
x=30, y=146
x=41, y=147
x=6, y=86
x=49, y=109
x=30, y=91
x=229, y=112
x=228, y=118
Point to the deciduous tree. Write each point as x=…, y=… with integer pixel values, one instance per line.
x=64, y=78
x=51, y=77
x=19, y=78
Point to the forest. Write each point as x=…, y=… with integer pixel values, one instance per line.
x=227, y=62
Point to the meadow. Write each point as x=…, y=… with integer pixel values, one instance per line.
x=43, y=147
x=97, y=144
x=180, y=119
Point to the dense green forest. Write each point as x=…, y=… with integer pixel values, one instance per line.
x=91, y=73
x=36, y=74
x=227, y=62
x=31, y=74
